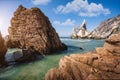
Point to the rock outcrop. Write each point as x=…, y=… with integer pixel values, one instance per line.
x=31, y=30
x=106, y=28
x=3, y=50
x=102, y=64
x=81, y=32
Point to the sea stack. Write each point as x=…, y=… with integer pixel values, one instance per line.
x=32, y=31
x=102, y=64
x=81, y=32
x=3, y=50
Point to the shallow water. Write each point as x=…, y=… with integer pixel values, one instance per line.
x=36, y=70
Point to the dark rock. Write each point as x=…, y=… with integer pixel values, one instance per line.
x=31, y=30
x=81, y=48
x=17, y=55
x=3, y=50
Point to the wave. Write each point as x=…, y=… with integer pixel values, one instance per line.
x=76, y=40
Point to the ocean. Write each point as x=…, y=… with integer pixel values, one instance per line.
x=36, y=70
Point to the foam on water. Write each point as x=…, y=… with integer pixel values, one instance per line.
x=76, y=40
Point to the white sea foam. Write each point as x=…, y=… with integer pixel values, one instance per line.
x=76, y=40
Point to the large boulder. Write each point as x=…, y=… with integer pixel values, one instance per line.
x=102, y=64
x=31, y=30
x=3, y=50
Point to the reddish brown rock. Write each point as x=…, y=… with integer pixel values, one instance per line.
x=31, y=30
x=103, y=64
x=3, y=50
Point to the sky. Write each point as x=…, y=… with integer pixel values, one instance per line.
x=63, y=14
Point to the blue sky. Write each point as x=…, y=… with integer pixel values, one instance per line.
x=63, y=14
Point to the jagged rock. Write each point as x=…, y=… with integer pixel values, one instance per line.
x=3, y=50
x=81, y=32
x=102, y=64
x=31, y=30
x=106, y=28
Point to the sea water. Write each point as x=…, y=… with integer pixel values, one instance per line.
x=36, y=70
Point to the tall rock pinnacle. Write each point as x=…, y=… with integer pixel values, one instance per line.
x=31, y=30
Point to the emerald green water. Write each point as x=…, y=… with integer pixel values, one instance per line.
x=36, y=70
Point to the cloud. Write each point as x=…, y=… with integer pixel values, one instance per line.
x=64, y=28
x=67, y=22
x=82, y=8
x=41, y=2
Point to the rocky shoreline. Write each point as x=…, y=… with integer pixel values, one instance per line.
x=3, y=50
x=105, y=29
x=32, y=32
x=102, y=64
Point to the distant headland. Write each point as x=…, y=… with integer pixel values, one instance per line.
x=104, y=30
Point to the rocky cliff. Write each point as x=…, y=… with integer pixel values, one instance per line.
x=3, y=50
x=107, y=28
x=32, y=31
x=81, y=32
x=102, y=64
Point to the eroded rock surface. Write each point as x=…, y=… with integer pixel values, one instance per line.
x=81, y=32
x=31, y=30
x=106, y=28
x=103, y=64
x=3, y=50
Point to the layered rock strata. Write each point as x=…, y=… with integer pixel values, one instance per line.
x=3, y=50
x=102, y=64
x=31, y=30
x=106, y=28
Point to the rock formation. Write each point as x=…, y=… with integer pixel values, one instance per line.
x=81, y=32
x=31, y=30
x=107, y=28
x=103, y=64
x=3, y=50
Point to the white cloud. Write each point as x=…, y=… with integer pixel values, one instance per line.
x=68, y=22
x=41, y=2
x=83, y=8
x=64, y=27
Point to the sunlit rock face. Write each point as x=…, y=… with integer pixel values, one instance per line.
x=31, y=30
x=3, y=50
x=81, y=32
x=102, y=64
x=107, y=28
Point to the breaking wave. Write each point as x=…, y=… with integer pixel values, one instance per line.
x=76, y=40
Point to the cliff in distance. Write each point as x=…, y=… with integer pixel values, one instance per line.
x=32, y=32
x=106, y=28
x=102, y=64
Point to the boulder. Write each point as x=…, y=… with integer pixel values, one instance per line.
x=3, y=50
x=31, y=30
x=102, y=64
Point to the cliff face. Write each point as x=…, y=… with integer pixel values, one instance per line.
x=31, y=30
x=80, y=32
x=103, y=64
x=107, y=28
x=3, y=50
